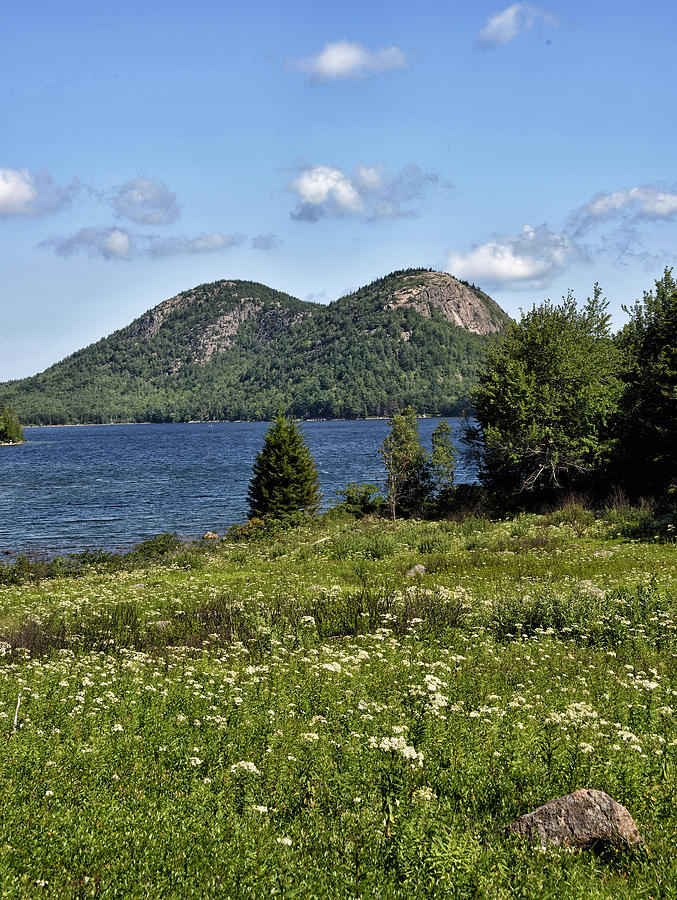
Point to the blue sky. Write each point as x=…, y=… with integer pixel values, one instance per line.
x=313, y=147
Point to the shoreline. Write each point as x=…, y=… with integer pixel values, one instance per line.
x=226, y=422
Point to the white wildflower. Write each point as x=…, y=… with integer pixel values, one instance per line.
x=244, y=766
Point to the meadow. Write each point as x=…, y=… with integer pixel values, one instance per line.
x=291, y=715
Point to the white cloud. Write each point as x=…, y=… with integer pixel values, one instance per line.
x=325, y=190
x=505, y=25
x=23, y=193
x=145, y=200
x=343, y=60
x=369, y=178
x=17, y=192
x=329, y=192
x=630, y=205
x=530, y=260
x=120, y=244
x=210, y=242
x=117, y=244
x=108, y=243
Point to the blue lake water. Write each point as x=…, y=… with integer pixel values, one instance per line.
x=111, y=486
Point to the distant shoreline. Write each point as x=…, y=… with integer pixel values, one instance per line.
x=225, y=422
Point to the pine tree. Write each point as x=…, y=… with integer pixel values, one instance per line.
x=284, y=476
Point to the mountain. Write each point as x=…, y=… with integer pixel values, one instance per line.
x=241, y=350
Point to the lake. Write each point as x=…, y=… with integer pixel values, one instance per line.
x=110, y=486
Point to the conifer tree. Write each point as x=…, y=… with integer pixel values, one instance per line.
x=284, y=476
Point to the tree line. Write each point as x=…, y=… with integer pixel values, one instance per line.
x=562, y=405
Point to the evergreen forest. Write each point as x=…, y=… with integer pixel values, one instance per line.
x=237, y=350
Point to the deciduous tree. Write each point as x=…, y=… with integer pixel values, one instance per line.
x=11, y=431
x=646, y=451
x=546, y=399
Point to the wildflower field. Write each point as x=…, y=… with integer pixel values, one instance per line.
x=294, y=716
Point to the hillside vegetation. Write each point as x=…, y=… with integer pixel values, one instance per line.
x=240, y=350
x=296, y=717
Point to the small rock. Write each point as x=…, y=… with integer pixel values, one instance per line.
x=584, y=819
x=210, y=536
x=418, y=569
x=162, y=624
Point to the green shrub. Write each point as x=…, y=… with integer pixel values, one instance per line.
x=361, y=499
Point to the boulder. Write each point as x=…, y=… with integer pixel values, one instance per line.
x=418, y=569
x=585, y=819
x=210, y=536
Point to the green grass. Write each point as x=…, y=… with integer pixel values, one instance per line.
x=294, y=717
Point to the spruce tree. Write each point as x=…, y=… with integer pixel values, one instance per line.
x=284, y=476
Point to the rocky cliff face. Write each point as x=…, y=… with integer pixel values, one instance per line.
x=211, y=317
x=455, y=301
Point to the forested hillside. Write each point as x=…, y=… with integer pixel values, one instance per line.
x=241, y=350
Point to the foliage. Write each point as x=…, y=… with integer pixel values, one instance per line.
x=347, y=359
x=546, y=399
x=443, y=459
x=646, y=454
x=360, y=499
x=11, y=431
x=414, y=475
x=284, y=476
x=407, y=465
x=290, y=725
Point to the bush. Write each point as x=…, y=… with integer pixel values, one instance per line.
x=360, y=499
x=11, y=431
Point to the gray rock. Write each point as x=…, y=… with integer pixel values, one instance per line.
x=418, y=569
x=210, y=536
x=584, y=819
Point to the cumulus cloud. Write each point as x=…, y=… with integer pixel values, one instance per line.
x=344, y=60
x=145, y=200
x=503, y=26
x=266, y=241
x=120, y=244
x=630, y=206
x=369, y=193
x=325, y=191
x=23, y=193
x=529, y=260
x=609, y=225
